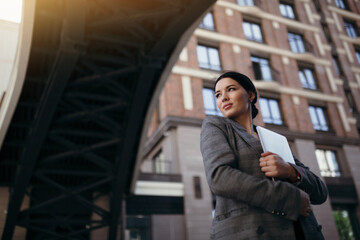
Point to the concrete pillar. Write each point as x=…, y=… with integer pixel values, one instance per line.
x=197, y=210
x=352, y=154
x=323, y=213
x=170, y=227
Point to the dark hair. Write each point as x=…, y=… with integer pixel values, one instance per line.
x=246, y=83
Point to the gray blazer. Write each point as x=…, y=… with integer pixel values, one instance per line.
x=248, y=204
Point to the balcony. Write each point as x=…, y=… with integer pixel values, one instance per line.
x=341, y=190
x=160, y=177
x=160, y=184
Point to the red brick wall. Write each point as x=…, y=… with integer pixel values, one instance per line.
x=303, y=116
x=295, y=116
x=289, y=113
x=322, y=80
x=335, y=120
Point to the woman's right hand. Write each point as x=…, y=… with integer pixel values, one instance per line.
x=305, y=206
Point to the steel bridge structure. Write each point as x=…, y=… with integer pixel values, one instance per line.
x=94, y=70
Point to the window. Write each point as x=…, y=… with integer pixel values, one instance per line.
x=351, y=29
x=270, y=111
x=208, y=22
x=296, y=43
x=341, y=4
x=262, y=69
x=326, y=32
x=245, y=2
x=346, y=222
x=159, y=163
x=328, y=163
x=336, y=64
x=357, y=53
x=318, y=118
x=307, y=78
x=351, y=101
x=208, y=57
x=210, y=102
x=317, y=6
x=252, y=31
x=287, y=10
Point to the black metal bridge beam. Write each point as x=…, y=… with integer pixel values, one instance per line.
x=99, y=92
x=145, y=87
x=67, y=56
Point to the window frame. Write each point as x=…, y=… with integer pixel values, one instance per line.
x=252, y=37
x=350, y=100
x=297, y=39
x=318, y=119
x=351, y=28
x=269, y=109
x=354, y=222
x=261, y=69
x=327, y=33
x=357, y=54
x=246, y=2
x=210, y=66
x=307, y=83
x=159, y=164
x=203, y=25
x=337, y=66
x=216, y=111
x=341, y=4
x=317, y=6
x=286, y=7
x=330, y=170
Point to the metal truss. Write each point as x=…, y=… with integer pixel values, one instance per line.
x=93, y=68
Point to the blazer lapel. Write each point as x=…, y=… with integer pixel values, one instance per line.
x=252, y=141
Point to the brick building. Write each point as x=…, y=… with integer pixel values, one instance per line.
x=304, y=58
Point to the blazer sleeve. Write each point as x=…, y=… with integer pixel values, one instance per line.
x=226, y=180
x=311, y=183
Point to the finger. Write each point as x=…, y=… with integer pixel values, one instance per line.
x=263, y=163
x=266, y=170
x=269, y=173
x=265, y=154
x=271, y=162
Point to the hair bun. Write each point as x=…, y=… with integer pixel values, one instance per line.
x=254, y=110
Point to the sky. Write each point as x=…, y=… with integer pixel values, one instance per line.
x=10, y=10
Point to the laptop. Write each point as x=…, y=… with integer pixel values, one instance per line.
x=275, y=143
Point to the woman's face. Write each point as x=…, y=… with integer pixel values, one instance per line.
x=232, y=99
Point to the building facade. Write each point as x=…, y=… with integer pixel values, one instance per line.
x=304, y=58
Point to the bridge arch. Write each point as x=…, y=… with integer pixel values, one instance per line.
x=93, y=70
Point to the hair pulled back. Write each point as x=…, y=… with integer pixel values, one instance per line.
x=246, y=83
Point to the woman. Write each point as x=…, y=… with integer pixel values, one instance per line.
x=249, y=204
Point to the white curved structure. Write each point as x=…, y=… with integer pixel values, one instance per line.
x=11, y=84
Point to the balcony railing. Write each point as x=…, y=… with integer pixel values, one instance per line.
x=165, y=177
